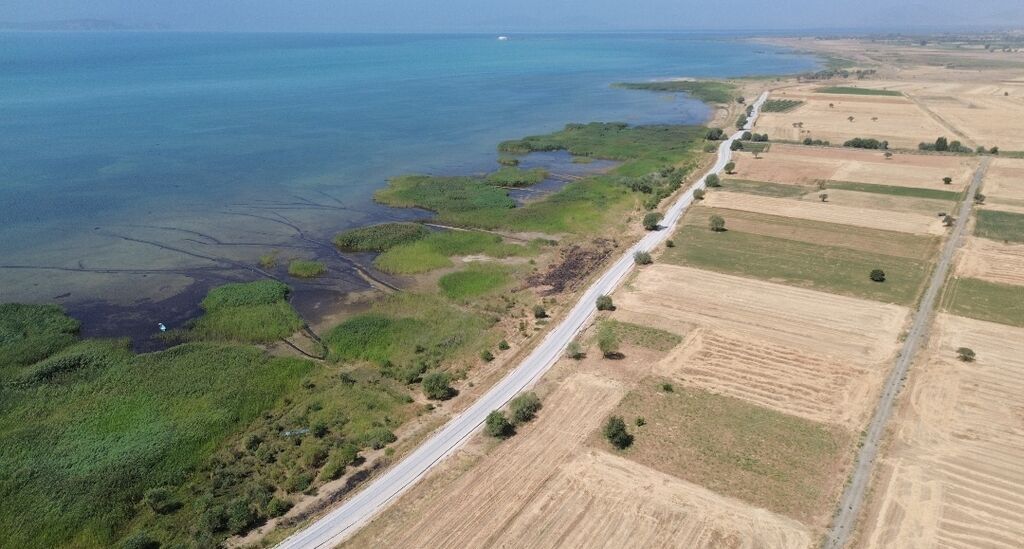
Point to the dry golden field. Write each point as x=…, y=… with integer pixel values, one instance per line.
x=993, y=261
x=953, y=476
x=807, y=165
x=825, y=116
x=815, y=210
x=1004, y=185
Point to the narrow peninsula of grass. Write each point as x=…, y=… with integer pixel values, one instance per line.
x=304, y=268
x=1000, y=225
x=29, y=333
x=434, y=251
x=984, y=300
x=513, y=176
x=805, y=264
x=253, y=312
x=894, y=190
x=849, y=90
x=707, y=91
x=643, y=336
x=476, y=280
x=776, y=461
x=379, y=238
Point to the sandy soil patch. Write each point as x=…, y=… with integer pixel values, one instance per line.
x=785, y=379
x=808, y=165
x=1004, y=183
x=854, y=330
x=825, y=116
x=831, y=213
x=953, y=475
x=993, y=261
x=601, y=500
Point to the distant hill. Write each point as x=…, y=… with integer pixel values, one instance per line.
x=78, y=25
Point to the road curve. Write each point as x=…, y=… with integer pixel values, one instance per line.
x=343, y=521
x=852, y=500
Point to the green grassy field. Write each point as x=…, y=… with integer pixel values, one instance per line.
x=894, y=190
x=379, y=238
x=707, y=91
x=780, y=105
x=29, y=333
x=303, y=268
x=433, y=252
x=776, y=461
x=984, y=300
x=847, y=90
x=407, y=334
x=999, y=225
x=809, y=265
x=252, y=312
x=512, y=176
x=476, y=280
x=762, y=188
x=643, y=336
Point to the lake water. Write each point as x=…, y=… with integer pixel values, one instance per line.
x=138, y=169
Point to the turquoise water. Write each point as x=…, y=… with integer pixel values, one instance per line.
x=133, y=164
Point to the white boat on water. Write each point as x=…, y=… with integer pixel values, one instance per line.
x=503, y=38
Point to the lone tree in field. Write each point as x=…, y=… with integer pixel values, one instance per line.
x=878, y=275
x=498, y=425
x=730, y=168
x=652, y=219
x=615, y=431
x=948, y=220
x=437, y=386
x=947, y=180
x=604, y=303
x=979, y=198
x=717, y=223
x=608, y=341
x=850, y=118
x=643, y=258
x=888, y=155
x=823, y=197
x=965, y=354
x=713, y=181
x=698, y=194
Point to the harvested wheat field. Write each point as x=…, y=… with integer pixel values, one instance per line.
x=601, y=500
x=952, y=476
x=916, y=223
x=1004, y=183
x=792, y=381
x=826, y=116
x=928, y=207
x=993, y=261
x=798, y=164
x=906, y=245
x=673, y=297
x=987, y=113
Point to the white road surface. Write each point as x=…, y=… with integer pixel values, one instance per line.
x=345, y=520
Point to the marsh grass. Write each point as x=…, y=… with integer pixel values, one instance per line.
x=476, y=280
x=251, y=312
x=304, y=268
x=29, y=333
x=512, y=176
x=434, y=251
x=379, y=238
x=707, y=91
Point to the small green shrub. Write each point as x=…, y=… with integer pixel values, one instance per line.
x=643, y=258
x=604, y=303
x=539, y=311
x=965, y=354
x=877, y=275
x=498, y=426
x=615, y=431
x=278, y=507
x=652, y=220
x=524, y=407
x=437, y=386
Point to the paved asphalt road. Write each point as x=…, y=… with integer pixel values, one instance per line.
x=343, y=521
x=853, y=496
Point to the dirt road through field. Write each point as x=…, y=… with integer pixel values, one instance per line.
x=852, y=500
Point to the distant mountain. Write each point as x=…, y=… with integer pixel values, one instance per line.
x=78, y=25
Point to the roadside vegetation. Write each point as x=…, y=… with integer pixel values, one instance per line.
x=849, y=90
x=707, y=91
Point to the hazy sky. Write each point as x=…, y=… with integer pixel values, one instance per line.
x=522, y=15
